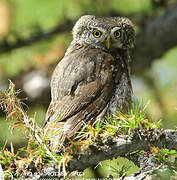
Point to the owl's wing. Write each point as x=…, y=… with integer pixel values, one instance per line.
x=81, y=87
x=76, y=82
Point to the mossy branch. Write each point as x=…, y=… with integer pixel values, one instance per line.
x=115, y=136
x=124, y=145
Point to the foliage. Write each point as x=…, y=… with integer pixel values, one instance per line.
x=169, y=160
x=119, y=167
x=37, y=150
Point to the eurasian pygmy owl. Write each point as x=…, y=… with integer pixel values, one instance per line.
x=93, y=77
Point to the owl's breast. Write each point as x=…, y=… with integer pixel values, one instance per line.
x=122, y=89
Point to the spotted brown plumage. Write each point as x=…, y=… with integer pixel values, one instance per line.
x=93, y=77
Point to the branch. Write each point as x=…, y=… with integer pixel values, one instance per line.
x=141, y=139
x=122, y=146
x=152, y=42
x=6, y=47
x=155, y=39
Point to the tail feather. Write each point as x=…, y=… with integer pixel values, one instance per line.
x=57, y=133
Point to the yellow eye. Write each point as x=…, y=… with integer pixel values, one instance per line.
x=117, y=34
x=97, y=33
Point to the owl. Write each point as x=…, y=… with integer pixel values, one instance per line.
x=93, y=78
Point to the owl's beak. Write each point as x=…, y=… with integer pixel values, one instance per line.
x=108, y=42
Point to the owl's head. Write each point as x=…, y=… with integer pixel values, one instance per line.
x=105, y=33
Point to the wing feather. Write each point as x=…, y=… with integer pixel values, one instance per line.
x=81, y=88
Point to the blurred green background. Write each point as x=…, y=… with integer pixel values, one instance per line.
x=30, y=66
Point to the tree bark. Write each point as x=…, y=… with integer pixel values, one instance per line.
x=121, y=146
x=109, y=148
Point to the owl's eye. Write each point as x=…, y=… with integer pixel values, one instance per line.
x=97, y=33
x=117, y=34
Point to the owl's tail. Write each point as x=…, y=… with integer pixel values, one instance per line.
x=56, y=143
x=55, y=136
x=56, y=133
